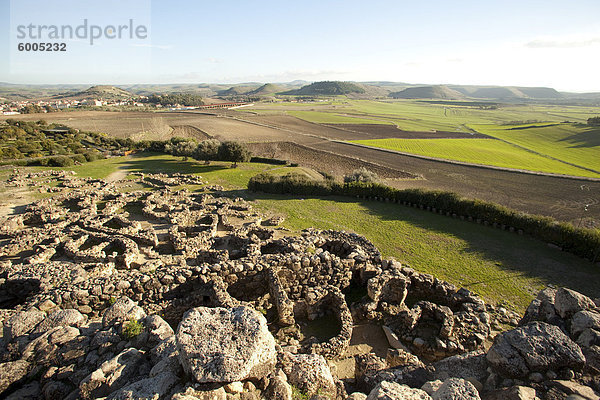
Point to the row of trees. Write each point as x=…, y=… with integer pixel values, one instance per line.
x=208, y=150
x=191, y=100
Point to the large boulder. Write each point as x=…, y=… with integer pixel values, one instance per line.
x=21, y=324
x=512, y=393
x=472, y=365
x=536, y=347
x=123, y=310
x=113, y=374
x=225, y=344
x=395, y=391
x=568, y=302
x=584, y=320
x=67, y=317
x=455, y=388
x=311, y=374
x=542, y=308
x=12, y=372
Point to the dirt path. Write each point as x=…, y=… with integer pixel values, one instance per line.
x=120, y=174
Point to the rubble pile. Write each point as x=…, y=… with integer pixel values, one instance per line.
x=172, y=294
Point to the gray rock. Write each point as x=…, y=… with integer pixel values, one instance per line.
x=44, y=349
x=54, y=390
x=11, y=372
x=112, y=374
x=225, y=345
x=468, y=365
x=455, y=388
x=121, y=311
x=279, y=389
x=512, y=393
x=31, y=391
x=21, y=324
x=191, y=394
x=357, y=396
x=311, y=373
x=574, y=388
x=68, y=317
x=158, y=329
x=568, y=302
x=395, y=391
x=584, y=320
x=536, y=347
x=152, y=388
x=432, y=386
x=541, y=308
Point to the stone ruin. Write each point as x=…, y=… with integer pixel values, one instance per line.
x=111, y=292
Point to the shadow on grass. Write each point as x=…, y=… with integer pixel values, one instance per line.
x=588, y=138
x=519, y=257
x=148, y=163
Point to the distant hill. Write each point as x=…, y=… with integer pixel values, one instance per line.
x=265, y=90
x=508, y=92
x=428, y=92
x=327, y=88
x=105, y=92
x=235, y=91
x=540, y=92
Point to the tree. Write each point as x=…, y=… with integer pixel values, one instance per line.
x=594, y=121
x=184, y=149
x=207, y=150
x=233, y=151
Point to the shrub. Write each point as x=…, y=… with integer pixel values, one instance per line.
x=80, y=158
x=60, y=161
x=361, y=175
x=92, y=155
x=132, y=328
x=267, y=160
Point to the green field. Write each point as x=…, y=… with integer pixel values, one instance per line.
x=335, y=118
x=423, y=116
x=463, y=253
x=576, y=144
x=479, y=151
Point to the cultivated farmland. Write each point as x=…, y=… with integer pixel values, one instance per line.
x=480, y=151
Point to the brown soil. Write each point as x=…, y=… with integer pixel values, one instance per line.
x=322, y=161
x=561, y=198
x=377, y=131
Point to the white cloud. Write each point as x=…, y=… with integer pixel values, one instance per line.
x=563, y=42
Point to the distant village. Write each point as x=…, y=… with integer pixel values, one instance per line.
x=44, y=106
x=29, y=106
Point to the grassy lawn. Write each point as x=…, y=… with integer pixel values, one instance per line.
x=498, y=265
x=479, y=151
x=573, y=143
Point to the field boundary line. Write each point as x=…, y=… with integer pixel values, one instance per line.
x=515, y=170
x=538, y=153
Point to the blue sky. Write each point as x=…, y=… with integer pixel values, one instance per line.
x=526, y=43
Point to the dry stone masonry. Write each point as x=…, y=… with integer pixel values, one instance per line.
x=136, y=290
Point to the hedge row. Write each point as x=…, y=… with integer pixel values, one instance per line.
x=580, y=241
x=267, y=160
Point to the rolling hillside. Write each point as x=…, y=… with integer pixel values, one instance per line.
x=428, y=92
x=327, y=88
